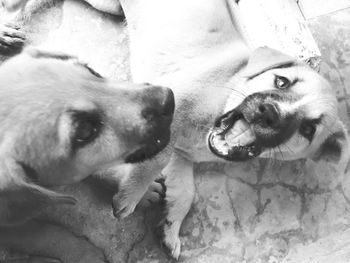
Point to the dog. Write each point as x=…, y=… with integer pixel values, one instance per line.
x=61, y=122
x=232, y=103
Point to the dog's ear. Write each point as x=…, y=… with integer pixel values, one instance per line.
x=20, y=200
x=335, y=148
x=265, y=58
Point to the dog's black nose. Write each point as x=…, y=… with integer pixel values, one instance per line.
x=268, y=114
x=160, y=103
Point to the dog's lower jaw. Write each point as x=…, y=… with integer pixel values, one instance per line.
x=243, y=147
x=150, y=149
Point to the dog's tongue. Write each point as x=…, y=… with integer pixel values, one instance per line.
x=240, y=134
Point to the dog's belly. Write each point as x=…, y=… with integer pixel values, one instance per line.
x=163, y=42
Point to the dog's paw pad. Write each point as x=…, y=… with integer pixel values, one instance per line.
x=155, y=194
x=12, y=39
x=169, y=240
x=159, y=186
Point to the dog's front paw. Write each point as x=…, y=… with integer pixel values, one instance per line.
x=11, y=39
x=154, y=195
x=169, y=238
x=124, y=203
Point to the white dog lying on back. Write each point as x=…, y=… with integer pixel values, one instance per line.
x=265, y=103
x=243, y=104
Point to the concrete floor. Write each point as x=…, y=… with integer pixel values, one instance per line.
x=260, y=211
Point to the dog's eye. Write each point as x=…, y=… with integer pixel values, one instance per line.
x=308, y=130
x=85, y=131
x=87, y=127
x=282, y=82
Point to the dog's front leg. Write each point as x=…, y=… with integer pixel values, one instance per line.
x=180, y=191
x=134, y=182
x=49, y=243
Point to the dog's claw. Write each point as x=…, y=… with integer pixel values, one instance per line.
x=172, y=247
x=119, y=213
x=123, y=206
x=161, y=187
x=154, y=195
x=12, y=25
x=169, y=241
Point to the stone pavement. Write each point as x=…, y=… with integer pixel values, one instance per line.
x=260, y=211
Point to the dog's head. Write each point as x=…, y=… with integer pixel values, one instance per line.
x=280, y=109
x=60, y=121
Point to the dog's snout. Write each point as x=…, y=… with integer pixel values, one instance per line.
x=160, y=103
x=268, y=114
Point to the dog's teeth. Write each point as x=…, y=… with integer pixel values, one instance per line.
x=220, y=144
x=240, y=134
x=224, y=151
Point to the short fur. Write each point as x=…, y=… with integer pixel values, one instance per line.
x=196, y=48
x=59, y=123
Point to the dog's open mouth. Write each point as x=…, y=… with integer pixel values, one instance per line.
x=149, y=149
x=233, y=138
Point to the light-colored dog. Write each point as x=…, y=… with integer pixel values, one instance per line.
x=243, y=104
x=60, y=122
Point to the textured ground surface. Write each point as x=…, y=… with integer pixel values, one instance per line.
x=254, y=212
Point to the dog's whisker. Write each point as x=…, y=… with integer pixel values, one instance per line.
x=241, y=94
x=327, y=128
x=288, y=148
x=271, y=160
x=279, y=148
x=235, y=90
